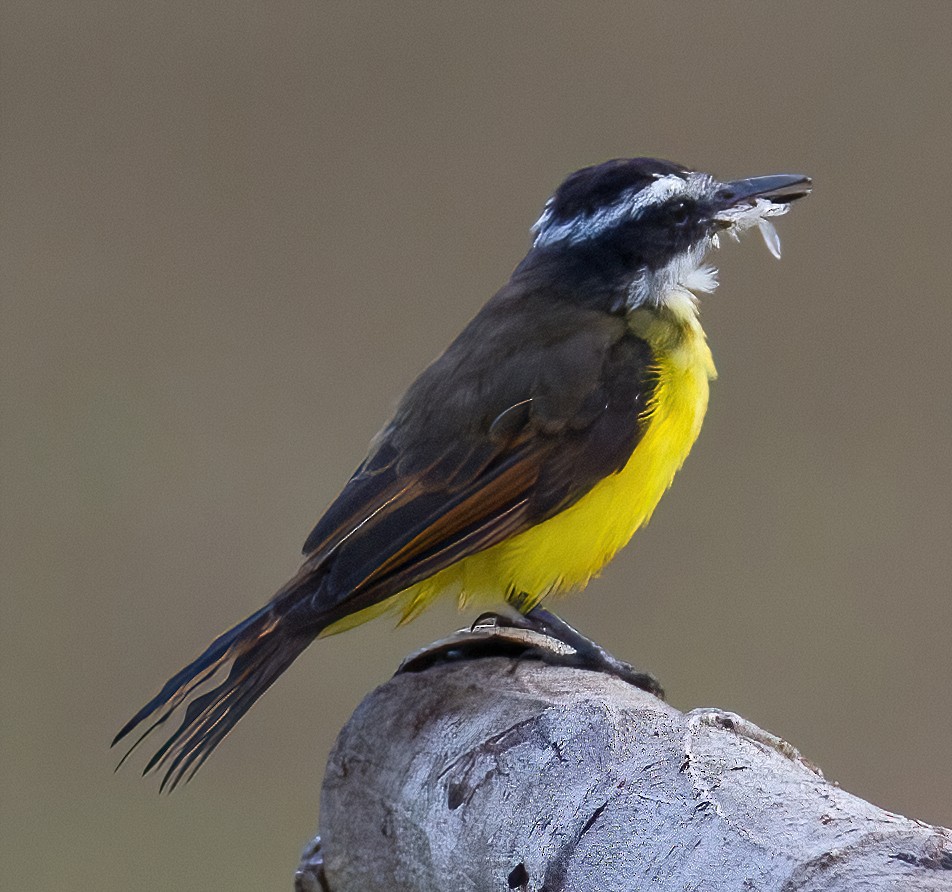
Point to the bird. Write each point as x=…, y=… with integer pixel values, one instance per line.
x=526, y=455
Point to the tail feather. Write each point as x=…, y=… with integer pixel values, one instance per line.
x=259, y=650
x=178, y=686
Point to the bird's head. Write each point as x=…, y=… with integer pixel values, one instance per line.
x=650, y=223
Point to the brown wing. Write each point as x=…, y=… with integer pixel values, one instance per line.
x=500, y=433
x=536, y=402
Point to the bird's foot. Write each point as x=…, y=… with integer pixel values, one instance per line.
x=582, y=653
x=536, y=635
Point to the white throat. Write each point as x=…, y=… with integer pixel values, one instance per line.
x=676, y=284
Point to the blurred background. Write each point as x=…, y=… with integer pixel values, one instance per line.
x=233, y=233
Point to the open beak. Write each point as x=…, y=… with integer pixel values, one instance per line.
x=743, y=204
x=781, y=189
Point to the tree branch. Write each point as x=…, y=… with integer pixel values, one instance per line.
x=503, y=772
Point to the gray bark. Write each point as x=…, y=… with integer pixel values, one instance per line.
x=503, y=773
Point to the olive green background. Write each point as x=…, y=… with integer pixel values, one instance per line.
x=233, y=233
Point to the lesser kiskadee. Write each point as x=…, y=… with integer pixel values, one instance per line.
x=527, y=454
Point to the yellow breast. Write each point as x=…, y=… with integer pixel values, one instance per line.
x=563, y=553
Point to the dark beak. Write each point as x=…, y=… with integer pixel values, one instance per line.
x=782, y=188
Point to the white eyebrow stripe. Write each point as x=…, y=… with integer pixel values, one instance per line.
x=588, y=226
x=629, y=205
x=660, y=190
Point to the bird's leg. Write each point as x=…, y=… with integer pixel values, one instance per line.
x=586, y=654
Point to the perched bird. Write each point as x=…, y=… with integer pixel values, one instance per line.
x=527, y=454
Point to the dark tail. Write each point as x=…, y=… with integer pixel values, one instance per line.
x=259, y=650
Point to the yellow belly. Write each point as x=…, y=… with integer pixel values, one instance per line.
x=563, y=553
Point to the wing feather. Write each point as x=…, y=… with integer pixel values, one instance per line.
x=514, y=422
x=436, y=489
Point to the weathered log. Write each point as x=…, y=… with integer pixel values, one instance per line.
x=504, y=772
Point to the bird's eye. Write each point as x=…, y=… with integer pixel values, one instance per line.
x=678, y=213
